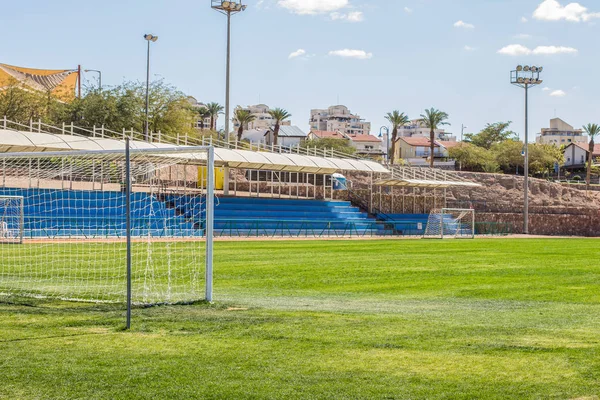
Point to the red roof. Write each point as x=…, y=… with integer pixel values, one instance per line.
x=586, y=147
x=364, y=138
x=328, y=135
x=448, y=144
x=417, y=141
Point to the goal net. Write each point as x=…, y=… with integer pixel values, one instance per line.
x=69, y=214
x=451, y=223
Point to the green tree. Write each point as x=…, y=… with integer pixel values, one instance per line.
x=339, y=145
x=491, y=135
x=214, y=109
x=474, y=158
x=279, y=115
x=243, y=117
x=433, y=119
x=508, y=155
x=592, y=130
x=397, y=119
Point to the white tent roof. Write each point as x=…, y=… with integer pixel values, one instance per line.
x=424, y=183
x=14, y=141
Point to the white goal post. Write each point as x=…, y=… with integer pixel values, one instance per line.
x=446, y=223
x=69, y=211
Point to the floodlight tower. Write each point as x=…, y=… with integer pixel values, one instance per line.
x=526, y=77
x=149, y=38
x=228, y=8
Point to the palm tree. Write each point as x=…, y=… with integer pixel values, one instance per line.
x=433, y=119
x=214, y=109
x=592, y=130
x=202, y=113
x=397, y=119
x=243, y=117
x=279, y=115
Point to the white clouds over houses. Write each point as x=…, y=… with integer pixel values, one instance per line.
x=558, y=93
x=520, y=50
x=351, y=53
x=463, y=25
x=469, y=48
x=552, y=10
x=297, y=53
x=309, y=7
x=354, y=16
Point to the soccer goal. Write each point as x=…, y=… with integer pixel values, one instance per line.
x=449, y=223
x=92, y=223
x=11, y=219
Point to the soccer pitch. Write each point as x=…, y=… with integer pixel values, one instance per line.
x=405, y=319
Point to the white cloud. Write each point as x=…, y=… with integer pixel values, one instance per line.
x=549, y=50
x=354, y=16
x=515, y=50
x=523, y=19
x=462, y=24
x=350, y=53
x=308, y=7
x=297, y=53
x=558, y=93
x=546, y=89
x=520, y=50
x=408, y=10
x=522, y=36
x=552, y=10
x=469, y=48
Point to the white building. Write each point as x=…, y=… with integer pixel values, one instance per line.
x=289, y=136
x=263, y=118
x=338, y=118
x=560, y=133
x=417, y=129
x=199, y=124
x=576, y=154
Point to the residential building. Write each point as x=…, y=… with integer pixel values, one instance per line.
x=417, y=129
x=316, y=134
x=289, y=136
x=416, y=150
x=263, y=118
x=576, y=155
x=199, y=124
x=338, y=118
x=366, y=145
x=560, y=133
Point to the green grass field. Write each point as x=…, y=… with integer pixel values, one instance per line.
x=483, y=319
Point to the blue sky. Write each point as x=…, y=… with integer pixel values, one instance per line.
x=404, y=54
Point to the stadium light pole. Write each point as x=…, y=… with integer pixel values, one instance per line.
x=526, y=77
x=149, y=38
x=462, y=131
x=228, y=8
x=387, y=142
x=99, y=77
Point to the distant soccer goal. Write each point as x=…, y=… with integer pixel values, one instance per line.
x=11, y=219
x=87, y=221
x=447, y=223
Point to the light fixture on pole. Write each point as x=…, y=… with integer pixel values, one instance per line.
x=526, y=77
x=462, y=131
x=149, y=38
x=228, y=8
x=99, y=77
x=387, y=141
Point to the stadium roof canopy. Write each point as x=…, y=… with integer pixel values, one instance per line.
x=17, y=141
x=60, y=83
x=424, y=183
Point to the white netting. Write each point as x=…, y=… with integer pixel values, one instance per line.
x=451, y=223
x=74, y=226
